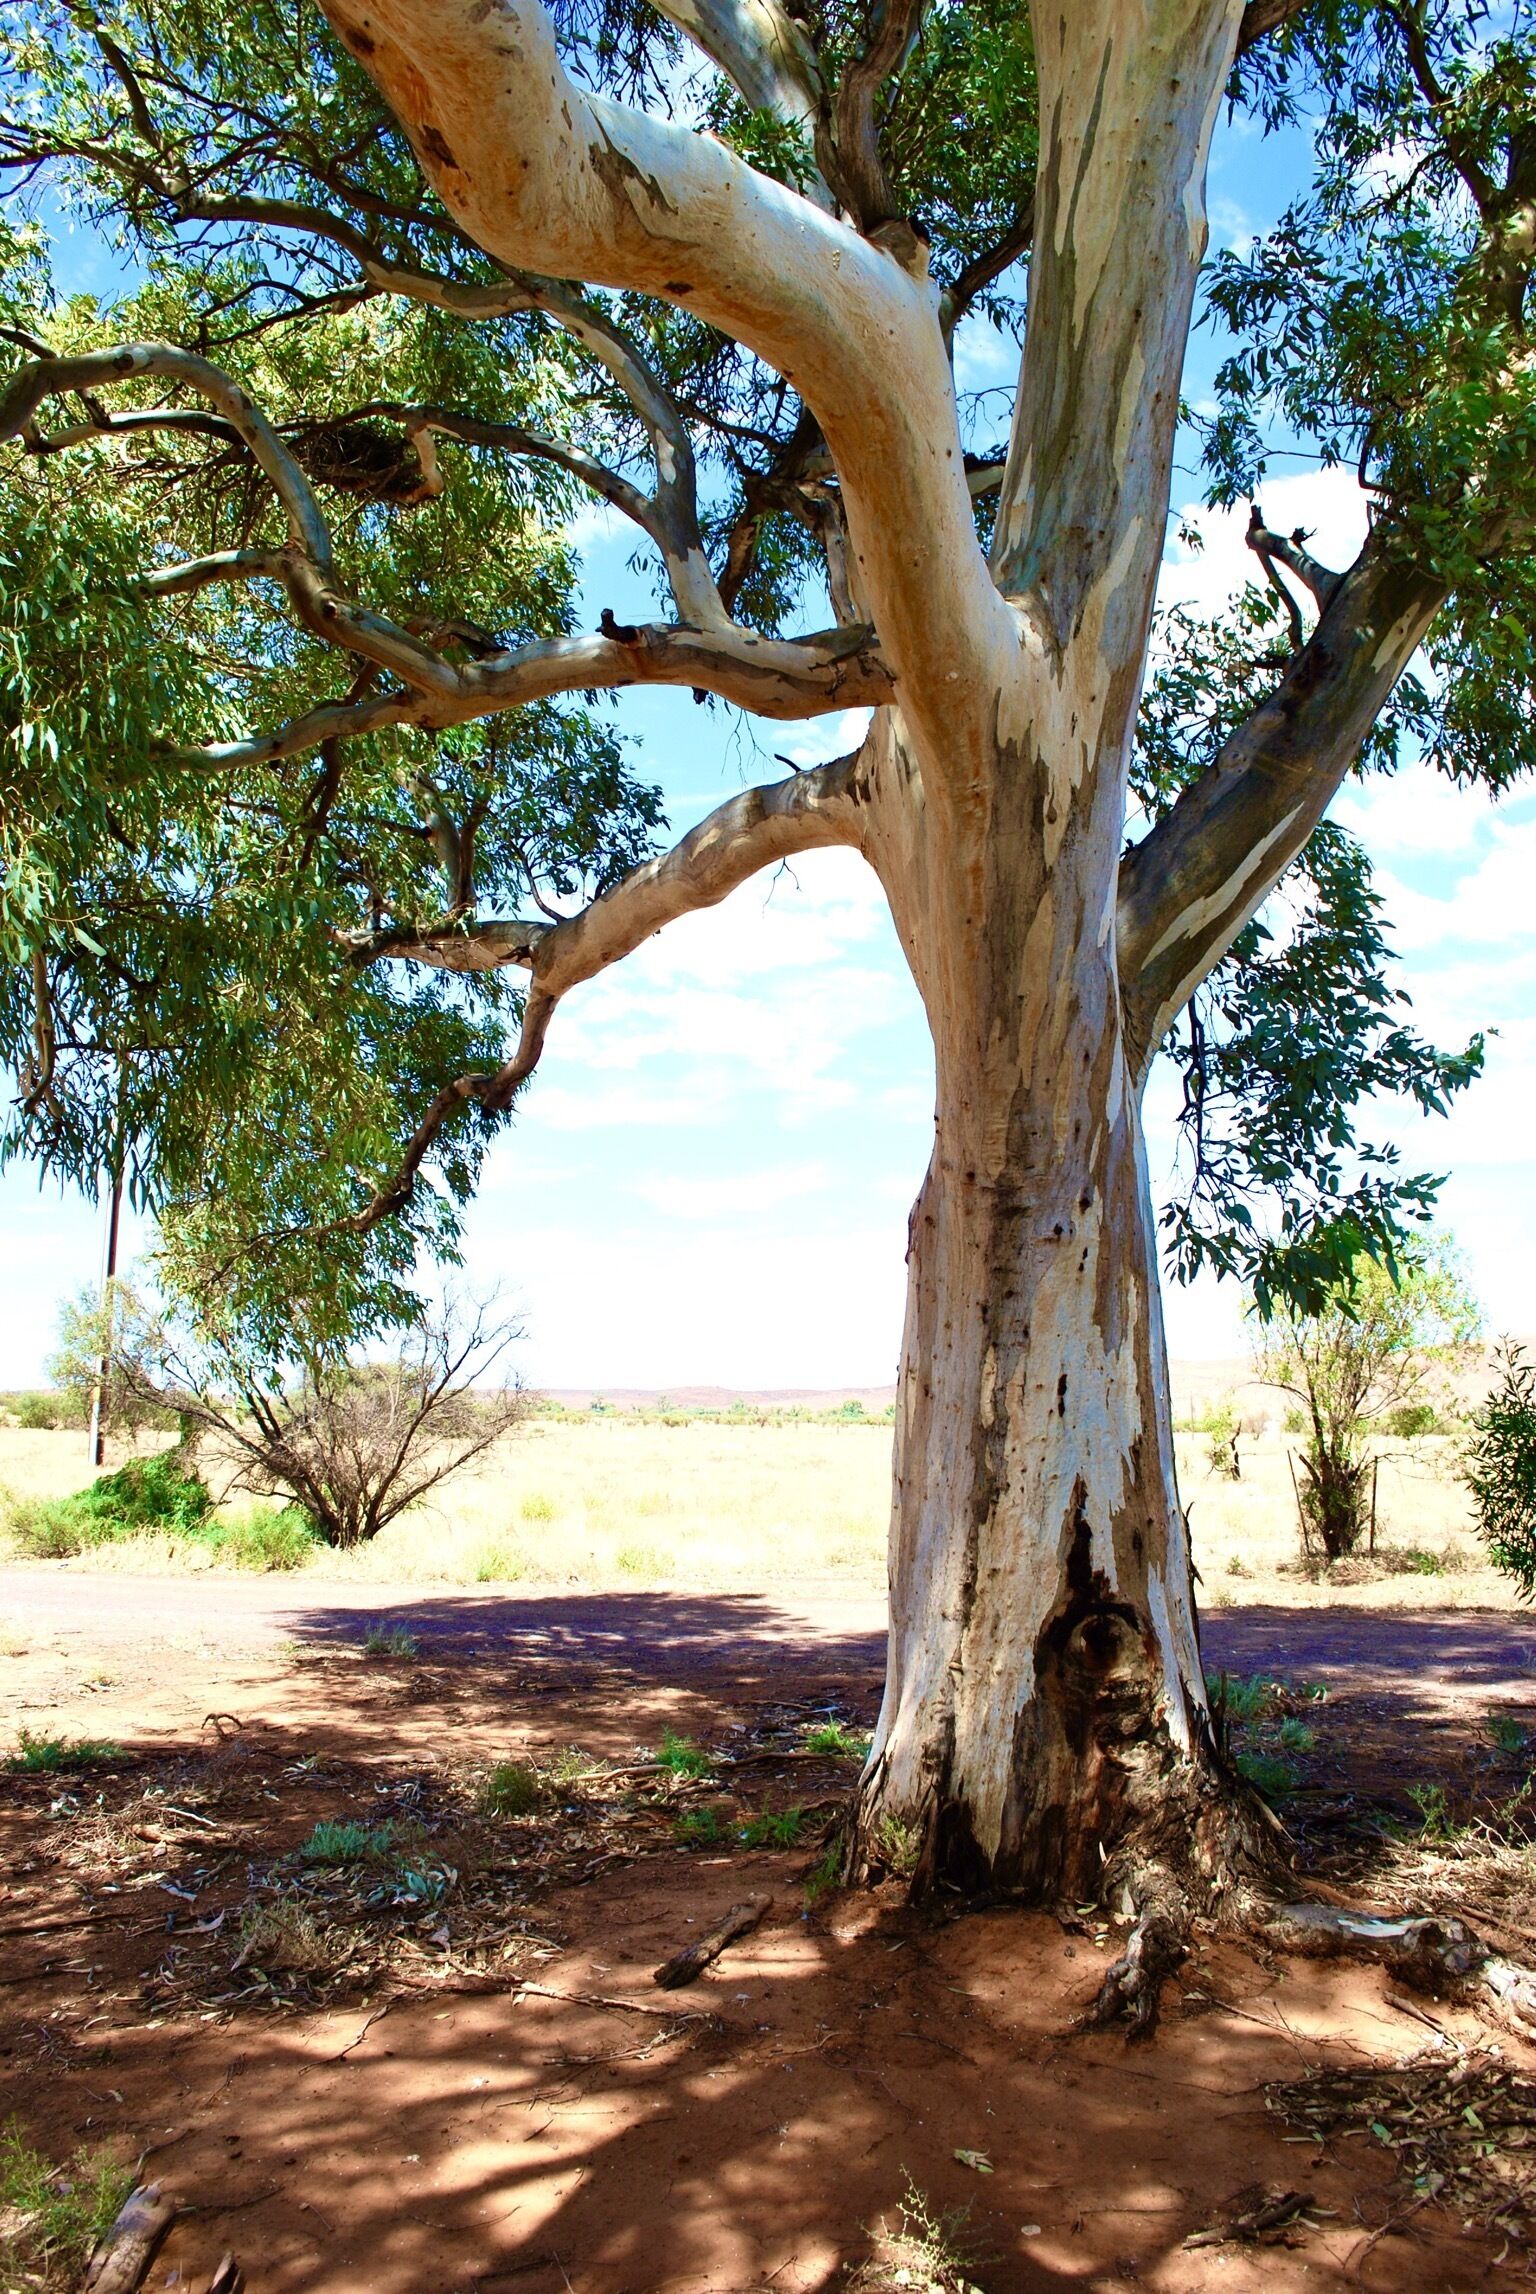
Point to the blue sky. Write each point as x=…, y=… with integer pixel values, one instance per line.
x=709, y=1180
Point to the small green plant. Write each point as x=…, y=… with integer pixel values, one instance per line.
x=701, y=1828
x=775, y=1828
x=511, y=1789
x=637, y=1560
x=1435, y=1819
x=383, y=1640
x=537, y=1507
x=682, y=1757
x=840, y=1743
x=824, y=1875
x=927, y=2253
x=344, y=1841
x=898, y=1845
x=1296, y=1736
x=1506, y=1732
x=1237, y=1566
x=1268, y=1774
x=51, y=2217
x=49, y=1755
x=1418, y=1561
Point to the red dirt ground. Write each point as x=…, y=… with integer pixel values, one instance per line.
x=507, y=2139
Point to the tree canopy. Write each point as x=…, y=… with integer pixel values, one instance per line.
x=292, y=686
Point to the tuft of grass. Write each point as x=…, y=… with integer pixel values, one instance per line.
x=51, y=2217
x=640, y=1561
x=1269, y=1775
x=775, y=1828
x=1254, y=1699
x=1506, y=1732
x=701, y=1828
x=347, y=1842
x=899, y=1845
x=49, y=1755
x=536, y=1506
x=383, y=1640
x=927, y=2253
x=511, y=1789
x=1296, y=1736
x=498, y=1562
x=833, y=1738
x=824, y=1875
x=283, y=1937
x=682, y=1757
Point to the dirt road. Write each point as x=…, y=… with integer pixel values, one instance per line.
x=1419, y=1660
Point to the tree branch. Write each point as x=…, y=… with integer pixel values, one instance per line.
x=549, y=179
x=760, y=49
x=747, y=833
x=771, y=677
x=1190, y=886
x=850, y=152
x=43, y=378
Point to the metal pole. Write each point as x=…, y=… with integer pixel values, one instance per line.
x=108, y=1304
x=98, y=1436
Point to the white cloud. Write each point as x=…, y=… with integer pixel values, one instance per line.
x=1329, y=504
x=734, y=1196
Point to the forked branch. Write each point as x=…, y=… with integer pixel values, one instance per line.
x=1190, y=886
x=747, y=833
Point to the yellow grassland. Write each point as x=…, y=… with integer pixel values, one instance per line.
x=611, y=1501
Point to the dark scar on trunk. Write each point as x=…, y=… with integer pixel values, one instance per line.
x=616, y=171
x=432, y=141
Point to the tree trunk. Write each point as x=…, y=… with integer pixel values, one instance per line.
x=1044, y=1728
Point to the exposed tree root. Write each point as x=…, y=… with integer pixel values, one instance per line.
x=1133, y=1986
x=1443, y=1957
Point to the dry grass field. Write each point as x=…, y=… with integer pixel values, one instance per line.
x=606, y=1501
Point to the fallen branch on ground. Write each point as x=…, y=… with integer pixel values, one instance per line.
x=689, y=1964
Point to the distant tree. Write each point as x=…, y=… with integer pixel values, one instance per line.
x=97, y=1328
x=1369, y=1353
x=1500, y=1468
x=354, y=1442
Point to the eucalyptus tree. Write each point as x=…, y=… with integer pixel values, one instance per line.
x=726, y=246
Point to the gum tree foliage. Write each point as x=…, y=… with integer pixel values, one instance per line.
x=415, y=269
x=173, y=974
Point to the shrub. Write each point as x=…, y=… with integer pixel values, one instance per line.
x=262, y=1539
x=144, y=1496
x=536, y=1506
x=36, y=1411
x=511, y=1789
x=1295, y=1736
x=1500, y=1469
x=47, y=1755
x=1413, y=1419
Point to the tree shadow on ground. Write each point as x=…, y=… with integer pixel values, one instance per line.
x=593, y=2143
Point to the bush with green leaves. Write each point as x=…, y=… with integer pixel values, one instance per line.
x=1375, y=1345
x=1500, y=1469
x=147, y=1496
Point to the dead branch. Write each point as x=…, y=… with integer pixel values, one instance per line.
x=689, y=1964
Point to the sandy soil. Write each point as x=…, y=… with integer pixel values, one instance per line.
x=496, y=2136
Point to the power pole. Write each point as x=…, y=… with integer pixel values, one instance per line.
x=98, y=1436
